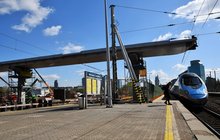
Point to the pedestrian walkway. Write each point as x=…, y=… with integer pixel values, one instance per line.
x=153, y=121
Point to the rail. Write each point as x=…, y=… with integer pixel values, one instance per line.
x=210, y=119
x=214, y=93
x=211, y=112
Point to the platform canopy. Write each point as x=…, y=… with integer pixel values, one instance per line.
x=169, y=47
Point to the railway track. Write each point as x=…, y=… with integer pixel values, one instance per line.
x=209, y=114
x=210, y=119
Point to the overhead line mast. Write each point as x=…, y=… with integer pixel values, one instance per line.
x=114, y=55
x=134, y=74
x=108, y=59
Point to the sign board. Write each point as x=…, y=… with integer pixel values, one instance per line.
x=92, y=83
x=60, y=93
x=98, y=87
x=93, y=75
x=89, y=86
x=94, y=87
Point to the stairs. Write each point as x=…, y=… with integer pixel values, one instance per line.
x=140, y=95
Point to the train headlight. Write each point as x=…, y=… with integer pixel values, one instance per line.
x=205, y=91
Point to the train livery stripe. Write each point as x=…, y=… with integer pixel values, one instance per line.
x=168, y=130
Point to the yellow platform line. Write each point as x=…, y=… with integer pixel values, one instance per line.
x=168, y=130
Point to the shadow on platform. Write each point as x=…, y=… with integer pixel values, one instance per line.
x=156, y=105
x=60, y=109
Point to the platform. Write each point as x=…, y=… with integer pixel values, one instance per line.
x=153, y=121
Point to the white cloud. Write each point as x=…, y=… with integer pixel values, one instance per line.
x=52, y=31
x=163, y=37
x=163, y=77
x=80, y=72
x=179, y=68
x=191, y=9
x=70, y=48
x=51, y=77
x=35, y=12
x=8, y=6
x=183, y=35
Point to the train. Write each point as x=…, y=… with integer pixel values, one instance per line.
x=189, y=87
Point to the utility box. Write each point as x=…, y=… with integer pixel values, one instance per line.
x=81, y=101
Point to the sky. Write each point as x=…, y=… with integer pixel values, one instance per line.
x=32, y=28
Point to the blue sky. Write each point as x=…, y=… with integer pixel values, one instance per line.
x=31, y=28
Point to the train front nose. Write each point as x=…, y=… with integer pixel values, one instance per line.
x=199, y=96
x=199, y=93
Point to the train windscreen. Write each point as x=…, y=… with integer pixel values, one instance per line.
x=191, y=81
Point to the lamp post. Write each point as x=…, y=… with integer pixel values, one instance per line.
x=109, y=105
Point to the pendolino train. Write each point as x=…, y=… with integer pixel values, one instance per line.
x=191, y=88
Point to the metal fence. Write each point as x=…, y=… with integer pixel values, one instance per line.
x=125, y=89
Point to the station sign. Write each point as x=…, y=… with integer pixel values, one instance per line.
x=92, y=83
x=94, y=75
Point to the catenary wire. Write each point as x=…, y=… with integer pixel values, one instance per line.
x=93, y=68
x=208, y=33
x=171, y=13
x=158, y=11
x=193, y=28
x=156, y=27
x=149, y=10
x=197, y=15
x=161, y=26
x=210, y=13
x=24, y=42
x=199, y=35
x=16, y=49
